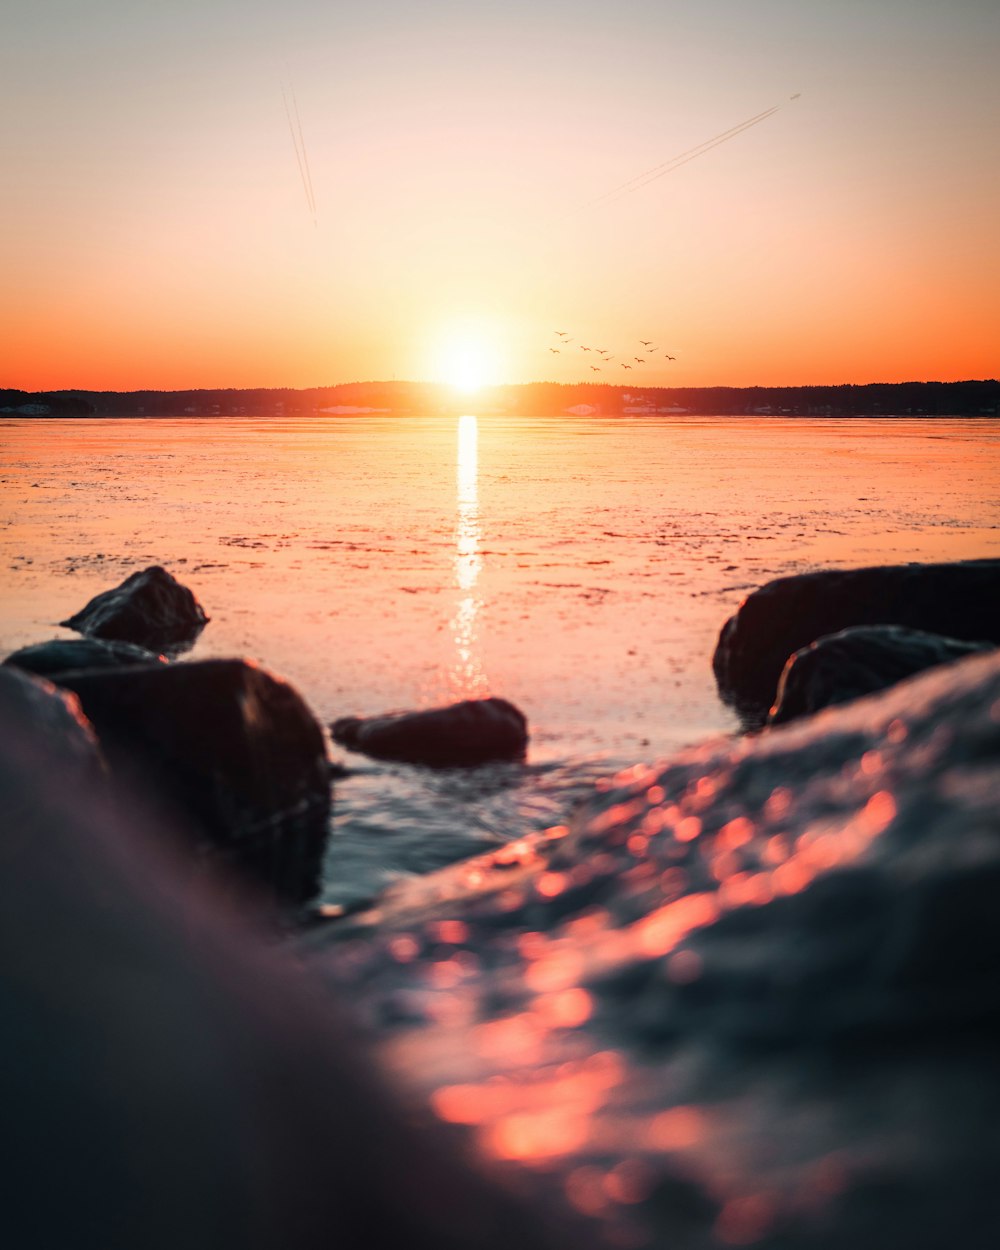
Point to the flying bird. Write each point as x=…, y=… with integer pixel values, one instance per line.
x=554, y=349
x=670, y=357
x=584, y=349
x=562, y=333
x=594, y=369
x=639, y=360
x=626, y=366
x=646, y=342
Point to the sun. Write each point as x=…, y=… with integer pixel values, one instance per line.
x=466, y=360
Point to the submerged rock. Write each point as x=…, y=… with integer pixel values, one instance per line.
x=60, y=655
x=150, y=608
x=229, y=753
x=960, y=600
x=856, y=662
x=459, y=736
x=752, y=990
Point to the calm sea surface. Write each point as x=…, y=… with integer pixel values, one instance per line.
x=579, y=567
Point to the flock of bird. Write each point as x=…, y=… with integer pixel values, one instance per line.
x=605, y=354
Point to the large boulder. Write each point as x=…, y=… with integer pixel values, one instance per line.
x=169, y=1077
x=748, y=996
x=856, y=662
x=61, y=655
x=227, y=752
x=461, y=735
x=150, y=608
x=960, y=600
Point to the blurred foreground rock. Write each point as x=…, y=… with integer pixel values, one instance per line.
x=61, y=655
x=150, y=608
x=960, y=600
x=50, y=722
x=856, y=662
x=225, y=752
x=749, y=997
x=461, y=735
x=168, y=1079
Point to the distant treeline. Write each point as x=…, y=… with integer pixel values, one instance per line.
x=538, y=398
x=44, y=404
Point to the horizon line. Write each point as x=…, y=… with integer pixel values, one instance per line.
x=495, y=386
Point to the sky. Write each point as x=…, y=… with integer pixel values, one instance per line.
x=247, y=193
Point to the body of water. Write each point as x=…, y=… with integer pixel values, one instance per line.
x=581, y=567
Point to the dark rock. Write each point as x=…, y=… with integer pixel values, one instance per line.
x=60, y=655
x=856, y=662
x=789, y=966
x=150, y=608
x=228, y=752
x=459, y=736
x=170, y=1076
x=960, y=600
x=51, y=730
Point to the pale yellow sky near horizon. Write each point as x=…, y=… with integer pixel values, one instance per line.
x=160, y=229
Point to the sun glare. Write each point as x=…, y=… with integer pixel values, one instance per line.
x=466, y=361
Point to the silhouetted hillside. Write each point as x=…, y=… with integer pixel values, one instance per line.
x=972, y=398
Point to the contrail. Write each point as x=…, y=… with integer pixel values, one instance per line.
x=705, y=147
x=305, y=154
x=299, y=144
x=667, y=167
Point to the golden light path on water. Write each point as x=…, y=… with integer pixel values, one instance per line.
x=468, y=677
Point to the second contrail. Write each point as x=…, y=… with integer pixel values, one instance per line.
x=667, y=167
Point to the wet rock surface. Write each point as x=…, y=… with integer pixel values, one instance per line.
x=476, y=731
x=856, y=662
x=60, y=655
x=747, y=997
x=959, y=600
x=231, y=755
x=150, y=608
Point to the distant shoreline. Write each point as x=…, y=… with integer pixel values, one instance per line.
x=876, y=399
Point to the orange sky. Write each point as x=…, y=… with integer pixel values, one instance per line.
x=158, y=230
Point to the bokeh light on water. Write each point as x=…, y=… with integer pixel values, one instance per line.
x=652, y=1010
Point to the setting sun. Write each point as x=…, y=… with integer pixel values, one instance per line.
x=466, y=360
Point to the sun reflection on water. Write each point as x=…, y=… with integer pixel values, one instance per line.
x=468, y=677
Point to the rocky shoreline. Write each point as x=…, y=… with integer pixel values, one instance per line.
x=745, y=997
